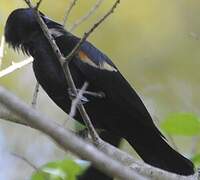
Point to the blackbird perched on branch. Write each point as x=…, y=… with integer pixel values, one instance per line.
x=120, y=111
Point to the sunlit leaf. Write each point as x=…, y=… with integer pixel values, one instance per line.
x=39, y=175
x=196, y=160
x=60, y=170
x=182, y=124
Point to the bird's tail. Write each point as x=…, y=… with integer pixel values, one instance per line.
x=154, y=150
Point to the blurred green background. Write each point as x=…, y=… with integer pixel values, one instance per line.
x=155, y=44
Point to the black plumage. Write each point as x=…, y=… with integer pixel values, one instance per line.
x=120, y=112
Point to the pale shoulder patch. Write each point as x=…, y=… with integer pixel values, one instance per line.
x=105, y=66
x=102, y=65
x=84, y=58
x=55, y=32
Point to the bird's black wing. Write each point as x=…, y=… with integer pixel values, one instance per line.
x=98, y=69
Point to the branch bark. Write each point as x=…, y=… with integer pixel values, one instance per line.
x=35, y=95
x=66, y=139
x=86, y=16
x=2, y=49
x=15, y=66
x=68, y=11
x=7, y=115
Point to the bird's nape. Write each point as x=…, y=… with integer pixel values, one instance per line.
x=21, y=27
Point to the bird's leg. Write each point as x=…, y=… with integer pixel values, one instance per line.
x=83, y=133
x=94, y=94
x=73, y=96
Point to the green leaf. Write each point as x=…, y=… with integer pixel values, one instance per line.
x=196, y=160
x=60, y=170
x=39, y=175
x=186, y=124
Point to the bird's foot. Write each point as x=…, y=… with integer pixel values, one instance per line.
x=83, y=133
x=73, y=96
x=94, y=94
x=84, y=99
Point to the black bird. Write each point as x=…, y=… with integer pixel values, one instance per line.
x=119, y=112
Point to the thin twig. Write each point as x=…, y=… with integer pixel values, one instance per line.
x=95, y=137
x=2, y=49
x=87, y=34
x=7, y=115
x=36, y=91
x=35, y=95
x=69, y=9
x=86, y=16
x=64, y=62
x=77, y=100
x=67, y=73
x=68, y=76
x=15, y=66
x=67, y=140
x=71, y=84
x=28, y=2
x=25, y=160
x=49, y=38
x=38, y=4
x=94, y=94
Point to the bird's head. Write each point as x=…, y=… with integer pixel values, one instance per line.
x=22, y=26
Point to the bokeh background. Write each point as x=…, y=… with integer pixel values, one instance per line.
x=155, y=44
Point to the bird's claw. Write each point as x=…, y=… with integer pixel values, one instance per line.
x=73, y=96
x=94, y=94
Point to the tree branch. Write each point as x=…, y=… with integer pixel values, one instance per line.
x=7, y=115
x=87, y=34
x=35, y=95
x=77, y=100
x=2, y=49
x=65, y=138
x=34, y=119
x=28, y=2
x=86, y=16
x=22, y=158
x=64, y=62
x=15, y=66
x=68, y=77
x=71, y=5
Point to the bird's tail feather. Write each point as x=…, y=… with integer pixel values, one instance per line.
x=154, y=150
